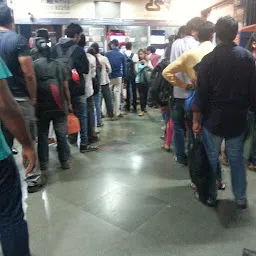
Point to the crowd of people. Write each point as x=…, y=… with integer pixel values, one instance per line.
x=210, y=90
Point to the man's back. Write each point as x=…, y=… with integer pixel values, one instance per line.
x=178, y=48
x=13, y=46
x=225, y=80
x=117, y=62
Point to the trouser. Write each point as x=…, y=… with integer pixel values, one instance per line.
x=131, y=88
x=234, y=151
x=143, y=91
x=151, y=101
x=178, y=118
x=80, y=111
x=169, y=133
x=115, y=88
x=60, y=128
x=107, y=99
x=28, y=113
x=97, y=108
x=90, y=122
x=13, y=227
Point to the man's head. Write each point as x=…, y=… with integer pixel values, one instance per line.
x=226, y=29
x=114, y=44
x=74, y=31
x=82, y=41
x=205, y=32
x=193, y=25
x=6, y=18
x=42, y=32
x=181, y=32
x=96, y=47
x=128, y=46
x=151, y=49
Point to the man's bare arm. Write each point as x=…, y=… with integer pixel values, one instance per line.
x=11, y=116
x=29, y=76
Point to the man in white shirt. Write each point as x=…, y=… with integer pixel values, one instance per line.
x=131, y=60
x=180, y=94
x=104, y=82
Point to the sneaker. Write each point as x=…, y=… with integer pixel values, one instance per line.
x=120, y=115
x=100, y=124
x=211, y=203
x=65, y=165
x=242, y=204
x=183, y=164
x=14, y=151
x=87, y=148
x=142, y=113
x=94, y=139
x=36, y=183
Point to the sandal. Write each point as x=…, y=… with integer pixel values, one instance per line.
x=221, y=185
x=252, y=167
x=166, y=148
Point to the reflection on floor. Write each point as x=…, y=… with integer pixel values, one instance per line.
x=131, y=199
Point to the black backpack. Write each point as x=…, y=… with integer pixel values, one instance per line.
x=199, y=167
x=76, y=88
x=162, y=90
x=50, y=95
x=97, y=78
x=130, y=69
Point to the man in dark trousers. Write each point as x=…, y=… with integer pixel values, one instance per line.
x=81, y=65
x=226, y=89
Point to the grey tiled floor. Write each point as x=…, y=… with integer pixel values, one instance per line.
x=131, y=199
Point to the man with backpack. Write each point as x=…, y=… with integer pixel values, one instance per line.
x=76, y=64
x=131, y=60
x=53, y=101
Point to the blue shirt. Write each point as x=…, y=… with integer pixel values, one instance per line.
x=118, y=63
x=4, y=149
x=226, y=89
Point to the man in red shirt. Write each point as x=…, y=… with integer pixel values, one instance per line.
x=152, y=56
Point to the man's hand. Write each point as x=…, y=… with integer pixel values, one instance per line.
x=29, y=159
x=70, y=108
x=196, y=128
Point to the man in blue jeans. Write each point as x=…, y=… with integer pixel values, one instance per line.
x=13, y=227
x=226, y=89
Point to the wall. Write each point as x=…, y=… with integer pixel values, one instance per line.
x=140, y=12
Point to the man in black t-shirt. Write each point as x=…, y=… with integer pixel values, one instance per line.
x=15, y=52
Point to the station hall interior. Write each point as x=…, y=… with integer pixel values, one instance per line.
x=131, y=197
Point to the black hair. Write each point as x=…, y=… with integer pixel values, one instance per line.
x=91, y=50
x=73, y=29
x=206, y=31
x=115, y=42
x=43, y=32
x=44, y=48
x=82, y=41
x=128, y=46
x=250, y=42
x=5, y=15
x=96, y=47
x=194, y=24
x=226, y=29
x=182, y=30
x=151, y=48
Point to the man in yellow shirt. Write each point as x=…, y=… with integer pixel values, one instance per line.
x=189, y=59
x=184, y=65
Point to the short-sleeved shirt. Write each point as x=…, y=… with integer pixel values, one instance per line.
x=4, y=149
x=13, y=46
